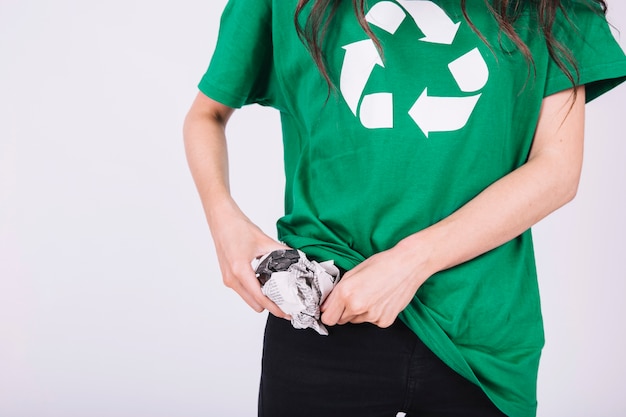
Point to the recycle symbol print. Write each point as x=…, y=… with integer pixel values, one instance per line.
x=430, y=113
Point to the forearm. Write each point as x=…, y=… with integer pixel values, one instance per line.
x=500, y=213
x=207, y=156
x=516, y=202
x=237, y=239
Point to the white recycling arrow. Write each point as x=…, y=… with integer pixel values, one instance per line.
x=470, y=71
x=386, y=15
x=377, y=111
x=432, y=21
x=431, y=114
x=358, y=63
x=442, y=114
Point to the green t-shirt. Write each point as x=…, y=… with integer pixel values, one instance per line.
x=407, y=139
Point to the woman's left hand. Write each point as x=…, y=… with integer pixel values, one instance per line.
x=376, y=290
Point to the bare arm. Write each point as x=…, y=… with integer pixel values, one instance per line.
x=501, y=212
x=237, y=239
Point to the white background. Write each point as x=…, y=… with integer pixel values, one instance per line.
x=111, y=302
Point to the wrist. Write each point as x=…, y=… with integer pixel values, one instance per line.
x=222, y=211
x=422, y=252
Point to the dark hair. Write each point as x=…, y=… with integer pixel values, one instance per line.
x=506, y=12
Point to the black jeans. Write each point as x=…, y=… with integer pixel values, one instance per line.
x=360, y=370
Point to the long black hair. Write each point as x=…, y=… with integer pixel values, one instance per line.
x=506, y=12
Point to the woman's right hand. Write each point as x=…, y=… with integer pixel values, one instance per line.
x=238, y=241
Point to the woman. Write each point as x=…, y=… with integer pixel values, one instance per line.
x=422, y=140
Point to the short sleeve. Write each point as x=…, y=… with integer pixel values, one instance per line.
x=241, y=70
x=600, y=60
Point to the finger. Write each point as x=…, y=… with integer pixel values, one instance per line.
x=330, y=299
x=332, y=314
x=245, y=283
x=348, y=317
x=344, y=319
x=254, y=288
x=358, y=319
x=247, y=297
x=270, y=306
x=259, y=302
